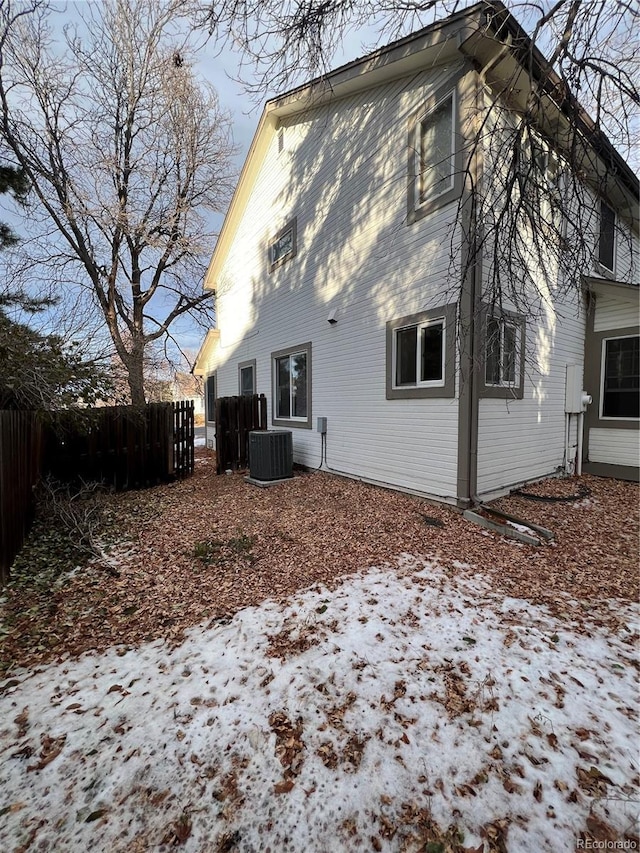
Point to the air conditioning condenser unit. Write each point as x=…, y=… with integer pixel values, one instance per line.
x=270, y=454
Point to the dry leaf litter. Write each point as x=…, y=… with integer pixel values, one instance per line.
x=239, y=692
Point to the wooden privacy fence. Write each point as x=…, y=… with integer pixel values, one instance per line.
x=122, y=446
x=235, y=418
x=20, y=460
x=183, y=438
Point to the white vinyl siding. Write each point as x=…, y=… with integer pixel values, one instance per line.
x=613, y=313
x=521, y=440
x=615, y=446
x=343, y=175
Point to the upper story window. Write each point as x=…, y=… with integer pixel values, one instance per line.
x=283, y=247
x=434, y=152
x=621, y=377
x=606, y=238
x=436, y=149
x=540, y=179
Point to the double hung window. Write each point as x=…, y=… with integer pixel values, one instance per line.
x=292, y=386
x=435, y=147
x=247, y=378
x=501, y=359
x=606, y=238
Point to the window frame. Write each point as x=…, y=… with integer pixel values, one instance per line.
x=417, y=206
x=213, y=378
x=428, y=388
x=504, y=390
x=245, y=365
x=291, y=422
x=610, y=270
x=611, y=419
x=420, y=327
x=291, y=225
x=541, y=182
x=424, y=197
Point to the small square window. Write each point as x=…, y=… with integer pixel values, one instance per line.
x=621, y=378
x=284, y=245
x=606, y=240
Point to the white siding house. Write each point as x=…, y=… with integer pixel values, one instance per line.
x=343, y=288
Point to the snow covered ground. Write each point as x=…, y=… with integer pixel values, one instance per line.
x=409, y=705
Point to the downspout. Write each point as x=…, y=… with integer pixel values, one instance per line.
x=469, y=325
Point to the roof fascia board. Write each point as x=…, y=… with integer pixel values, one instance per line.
x=250, y=168
x=606, y=287
x=211, y=337
x=599, y=156
x=426, y=50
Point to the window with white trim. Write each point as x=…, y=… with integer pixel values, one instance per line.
x=419, y=355
x=607, y=236
x=501, y=356
x=435, y=148
x=621, y=377
x=292, y=386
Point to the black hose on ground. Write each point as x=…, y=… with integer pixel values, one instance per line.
x=582, y=492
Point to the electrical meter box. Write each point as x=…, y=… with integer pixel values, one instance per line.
x=574, y=403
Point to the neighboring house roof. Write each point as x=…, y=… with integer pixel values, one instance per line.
x=488, y=35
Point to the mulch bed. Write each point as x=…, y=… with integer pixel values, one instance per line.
x=205, y=547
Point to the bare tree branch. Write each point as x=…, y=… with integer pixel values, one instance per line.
x=125, y=152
